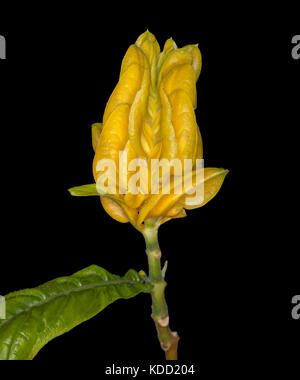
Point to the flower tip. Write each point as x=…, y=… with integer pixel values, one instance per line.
x=170, y=44
x=146, y=36
x=223, y=171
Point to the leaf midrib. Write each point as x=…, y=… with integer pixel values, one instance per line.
x=67, y=292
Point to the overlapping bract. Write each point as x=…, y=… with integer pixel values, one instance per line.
x=150, y=114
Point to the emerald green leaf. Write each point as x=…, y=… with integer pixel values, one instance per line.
x=35, y=316
x=84, y=190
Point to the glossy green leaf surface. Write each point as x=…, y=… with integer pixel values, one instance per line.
x=35, y=316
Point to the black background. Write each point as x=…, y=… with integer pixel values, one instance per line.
x=230, y=286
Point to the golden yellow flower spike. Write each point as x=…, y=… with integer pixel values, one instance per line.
x=150, y=116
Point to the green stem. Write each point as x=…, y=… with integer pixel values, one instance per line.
x=167, y=338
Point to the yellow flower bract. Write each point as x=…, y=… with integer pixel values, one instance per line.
x=150, y=114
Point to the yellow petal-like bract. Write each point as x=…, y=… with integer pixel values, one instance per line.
x=150, y=115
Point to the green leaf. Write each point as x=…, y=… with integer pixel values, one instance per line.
x=35, y=316
x=84, y=190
